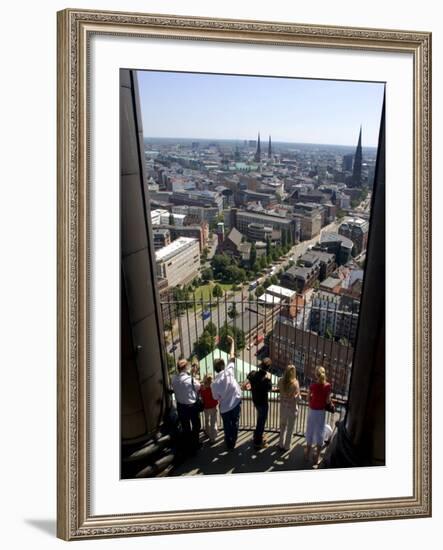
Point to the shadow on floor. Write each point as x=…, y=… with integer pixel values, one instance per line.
x=215, y=459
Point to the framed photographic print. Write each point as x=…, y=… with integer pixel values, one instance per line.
x=243, y=274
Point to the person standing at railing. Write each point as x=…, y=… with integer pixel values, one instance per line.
x=186, y=388
x=210, y=408
x=319, y=395
x=227, y=392
x=260, y=384
x=289, y=397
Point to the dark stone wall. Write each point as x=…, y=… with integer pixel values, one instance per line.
x=143, y=369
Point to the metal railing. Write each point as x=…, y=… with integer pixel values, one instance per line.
x=276, y=326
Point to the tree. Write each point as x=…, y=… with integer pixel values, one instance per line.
x=274, y=280
x=170, y=362
x=284, y=238
x=207, y=274
x=232, y=311
x=217, y=291
x=211, y=329
x=220, y=262
x=262, y=262
x=253, y=255
x=268, y=247
x=181, y=297
x=236, y=333
x=251, y=297
x=204, y=345
x=171, y=219
x=259, y=291
x=267, y=283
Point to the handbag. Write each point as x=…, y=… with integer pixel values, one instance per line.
x=199, y=405
x=330, y=407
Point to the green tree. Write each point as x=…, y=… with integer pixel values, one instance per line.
x=170, y=362
x=204, y=345
x=219, y=263
x=207, y=274
x=268, y=247
x=253, y=255
x=284, y=238
x=171, y=219
x=259, y=291
x=236, y=333
x=217, y=291
x=251, y=297
x=232, y=311
x=262, y=262
x=267, y=283
x=274, y=280
x=211, y=329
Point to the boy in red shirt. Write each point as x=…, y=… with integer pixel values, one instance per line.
x=210, y=408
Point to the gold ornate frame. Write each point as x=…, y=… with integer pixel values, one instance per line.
x=75, y=27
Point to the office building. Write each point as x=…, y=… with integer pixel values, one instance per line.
x=179, y=262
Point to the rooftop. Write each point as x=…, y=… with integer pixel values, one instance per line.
x=175, y=247
x=280, y=291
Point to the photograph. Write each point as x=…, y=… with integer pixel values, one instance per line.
x=252, y=281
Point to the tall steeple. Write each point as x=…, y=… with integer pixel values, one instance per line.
x=269, y=148
x=356, y=172
x=257, y=157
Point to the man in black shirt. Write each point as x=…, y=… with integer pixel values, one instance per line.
x=259, y=382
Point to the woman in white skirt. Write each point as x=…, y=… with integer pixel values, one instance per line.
x=319, y=394
x=289, y=397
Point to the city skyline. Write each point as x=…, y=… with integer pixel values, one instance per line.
x=291, y=110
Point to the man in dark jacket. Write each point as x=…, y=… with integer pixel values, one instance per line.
x=259, y=382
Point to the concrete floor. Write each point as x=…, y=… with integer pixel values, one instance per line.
x=215, y=459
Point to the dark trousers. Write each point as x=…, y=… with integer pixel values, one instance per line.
x=262, y=415
x=190, y=422
x=230, y=425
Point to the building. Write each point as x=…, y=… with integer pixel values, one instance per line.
x=162, y=237
x=357, y=230
x=156, y=215
x=306, y=350
x=336, y=244
x=357, y=180
x=331, y=284
x=234, y=246
x=196, y=197
x=326, y=261
x=257, y=156
x=198, y=213
x=198, y=232
x=301, y=278
x=241, y=219
x=310, y=218
x=179, y=262
x=334, y=315
x=259, y=232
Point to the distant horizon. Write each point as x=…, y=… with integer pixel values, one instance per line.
x=291, y=110
x=264, y=141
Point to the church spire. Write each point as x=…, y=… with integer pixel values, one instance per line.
x=258, y=152
x=269, y=148
x=358, y=157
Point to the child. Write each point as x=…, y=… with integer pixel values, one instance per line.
x=210, y=408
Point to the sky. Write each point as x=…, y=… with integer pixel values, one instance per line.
x=191, y=105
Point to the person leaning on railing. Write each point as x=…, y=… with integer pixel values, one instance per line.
x=260, y=384
x=227, y=392
x=186, y=388
x=289, y=397
x=319, y=395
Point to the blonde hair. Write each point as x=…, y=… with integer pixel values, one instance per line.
x=289, y=379
x=207, y=380
x=320, y=374
x=182, y=364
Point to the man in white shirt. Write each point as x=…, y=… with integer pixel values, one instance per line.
x=186, y=388
x=227, y=392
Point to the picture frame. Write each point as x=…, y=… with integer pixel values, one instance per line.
x=76, y=30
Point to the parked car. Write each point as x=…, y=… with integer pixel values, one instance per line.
x=206, y=314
